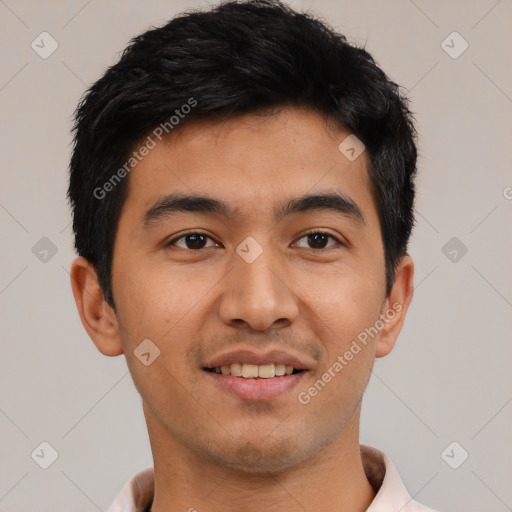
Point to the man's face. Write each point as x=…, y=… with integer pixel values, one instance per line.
x=250, y=283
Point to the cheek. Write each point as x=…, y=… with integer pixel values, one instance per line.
x=345, y=310
x=346, y=301
x=165, y=307
x=151, y=300
x=151, y=309
x=338, y=384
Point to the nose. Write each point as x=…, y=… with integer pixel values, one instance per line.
x=258, y=294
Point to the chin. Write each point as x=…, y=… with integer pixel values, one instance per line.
x=260, y=457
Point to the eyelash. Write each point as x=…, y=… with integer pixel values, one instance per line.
x=314, y=232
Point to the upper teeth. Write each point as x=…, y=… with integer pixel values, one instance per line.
x=253, y=371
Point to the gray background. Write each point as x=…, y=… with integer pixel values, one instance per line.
x=449, y=377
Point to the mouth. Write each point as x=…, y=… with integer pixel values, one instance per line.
x=255, y=371
x=253, y=377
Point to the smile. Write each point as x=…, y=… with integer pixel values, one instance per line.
x=258, y=383
x=255, y=371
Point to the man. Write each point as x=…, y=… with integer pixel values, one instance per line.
x=242, y=191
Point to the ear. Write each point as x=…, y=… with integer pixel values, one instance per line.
x=98, y=318
x=395, y=306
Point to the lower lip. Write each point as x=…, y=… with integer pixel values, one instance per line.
x=257, y=389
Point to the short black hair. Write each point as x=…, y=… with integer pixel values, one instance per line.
x=238, y=57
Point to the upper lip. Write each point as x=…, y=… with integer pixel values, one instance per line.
x=252, y=357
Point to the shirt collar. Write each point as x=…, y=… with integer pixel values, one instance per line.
x=137, y=494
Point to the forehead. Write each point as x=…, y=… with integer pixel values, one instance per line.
x=251, y=161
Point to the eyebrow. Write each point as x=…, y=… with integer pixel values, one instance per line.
x=174, y=203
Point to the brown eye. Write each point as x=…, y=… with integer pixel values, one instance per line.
x=318, y=240
x=190, y=241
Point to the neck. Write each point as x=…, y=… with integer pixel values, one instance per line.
x=333, y=479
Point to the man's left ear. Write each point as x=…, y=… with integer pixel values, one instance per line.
x=395, y=306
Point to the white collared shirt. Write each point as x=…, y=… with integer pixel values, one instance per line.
x=137, y=494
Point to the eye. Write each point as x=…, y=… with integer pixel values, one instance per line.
x=192, y=241
x=318, y=240
x=195, y=241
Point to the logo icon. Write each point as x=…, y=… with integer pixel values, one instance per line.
x=454, y=249
x=44, y=250
x=249, y=249
x=454, y=45
x=44, y=45
x=146, y=352
x=44, y=455
x=351, y=147
x=454, y=455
